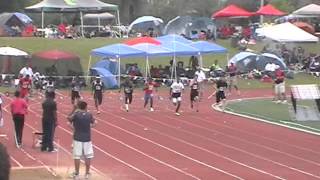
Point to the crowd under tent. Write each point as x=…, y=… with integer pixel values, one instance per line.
x=57, y=63
x=9, y=20
x=76, y=6
x=145, y=23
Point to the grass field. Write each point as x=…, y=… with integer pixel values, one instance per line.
x=270, y=111
x=82, y=48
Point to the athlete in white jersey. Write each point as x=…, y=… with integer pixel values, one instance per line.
x=175, y=92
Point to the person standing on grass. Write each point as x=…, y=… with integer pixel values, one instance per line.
x=49, y=122
x=19, y=109
x=128, y=91
x=220, y=92
x=279, y=86
x=97, y=91
x=148, y=93
x=176, y=92
x=81, y=121
x=233, y=82
x=194, y=93
x=25, y=85
x=75, y=90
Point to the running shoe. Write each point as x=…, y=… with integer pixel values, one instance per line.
x=178, y=114
x=151, y=109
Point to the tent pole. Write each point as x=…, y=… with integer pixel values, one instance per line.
x=42, y=19
x=261, y=16
x=118, y=18
x=99, y=23
x=119, y=72
x=88, y=70
x=81, y=19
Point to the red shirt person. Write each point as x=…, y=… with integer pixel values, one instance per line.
x=148, y=93
x=25, y=86
x=19, y=109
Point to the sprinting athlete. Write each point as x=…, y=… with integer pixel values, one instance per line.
x=97, y=91
x=194, y=93
x=128, y=91
x=220, y=92
x=176, y=92
x=75, y=90
x=148, y=93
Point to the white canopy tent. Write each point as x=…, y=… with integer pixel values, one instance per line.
x=311, y=9
x=286, y=32
x=9, y=51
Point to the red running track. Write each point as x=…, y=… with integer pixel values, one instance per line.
x=159, y=145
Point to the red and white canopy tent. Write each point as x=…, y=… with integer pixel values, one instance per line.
x=232, y=11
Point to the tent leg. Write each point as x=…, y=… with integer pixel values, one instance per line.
x=81, y=19
x=99, y=23
x=119, y=72
x=118, y=18
x=261, y=5
x=42, y=19
x=88, y=70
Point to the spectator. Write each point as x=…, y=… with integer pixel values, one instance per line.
x=279, y=86
x=81, y=121
x=49, y=122
x=27, y=70
x=4, y=163
x=19, y=109
x=201, y=77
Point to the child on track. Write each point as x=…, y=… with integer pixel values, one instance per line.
x=194, y=93
x=75, y=90
x=128, y=91
x=148, y=93
x=220, y=92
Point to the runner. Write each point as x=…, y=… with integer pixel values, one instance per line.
x=232, y=70
x=25, y=86
x=128, y=91
x=221, y=86
x=97, y=91
x=175, y=92
x=279, y=86
x=75, y=90
x=148, y=93
x=201, y=76
x=194, y=93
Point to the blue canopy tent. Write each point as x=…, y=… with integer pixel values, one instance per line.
x=116, y=51
x=151, y=50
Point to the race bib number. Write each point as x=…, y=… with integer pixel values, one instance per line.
x=98, y=88
x=221, y=89
x=195, y=86
x=127, y=90
x=150, y=87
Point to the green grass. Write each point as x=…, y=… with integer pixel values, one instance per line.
x=82, y=47
x=268, y=110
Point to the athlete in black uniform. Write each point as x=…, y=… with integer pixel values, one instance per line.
x=221, y=86
x=97, y=91
x=194, y=93
x=128, y=91
x=75, y=90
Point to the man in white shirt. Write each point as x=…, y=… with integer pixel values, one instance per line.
x=175, y=92
x=27, y=70
x=201, y=77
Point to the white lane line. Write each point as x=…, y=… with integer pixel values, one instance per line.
x=171, y=150
x=15, y=161
x=104, y=152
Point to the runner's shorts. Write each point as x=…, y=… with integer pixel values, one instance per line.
x=176, y=97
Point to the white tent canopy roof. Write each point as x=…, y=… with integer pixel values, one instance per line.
x=9, y=51
x=105, y=15
x=311, y=9
x=286, y=32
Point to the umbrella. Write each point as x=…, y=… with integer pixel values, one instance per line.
x=140, y=40
x=55, y=55
x=305, y=26
x=145, y=22
x=9, y=51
